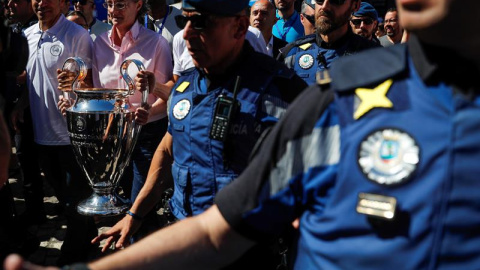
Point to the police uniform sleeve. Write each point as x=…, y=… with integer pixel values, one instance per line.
x=264, y=200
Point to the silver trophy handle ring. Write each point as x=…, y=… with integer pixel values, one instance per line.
x=77, y=66
x=129, y=80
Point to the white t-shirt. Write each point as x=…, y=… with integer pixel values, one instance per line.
x=183, y=61
x=138, y=43
x=47, y=52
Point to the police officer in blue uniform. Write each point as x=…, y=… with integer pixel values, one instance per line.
x=381, y=168
x=217, y=111
x=333, y=39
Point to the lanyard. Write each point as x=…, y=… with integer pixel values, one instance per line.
x=160, y=30
x=283, y=34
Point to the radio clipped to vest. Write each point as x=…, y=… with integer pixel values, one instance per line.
x=225, y=111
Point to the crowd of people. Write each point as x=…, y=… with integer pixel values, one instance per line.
x=293, y=136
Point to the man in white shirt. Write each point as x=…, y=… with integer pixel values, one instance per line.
x=262, y=17
x=51, y=41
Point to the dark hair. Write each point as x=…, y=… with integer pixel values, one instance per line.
x=79, y=14
x=143, y=10
x=392, y=9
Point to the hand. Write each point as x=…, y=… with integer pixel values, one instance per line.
x=16, y=117
x=65, y=79
x=63, y=104
x=120, y=233
x=141, y=115
x=143, y=80
x=15, y=262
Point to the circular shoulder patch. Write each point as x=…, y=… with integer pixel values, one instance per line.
x=305, y=61
x=181, y=109
x=388, y=156
x=56, y=50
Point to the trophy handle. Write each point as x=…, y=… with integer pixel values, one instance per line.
x=79, y=68
x=129, y=80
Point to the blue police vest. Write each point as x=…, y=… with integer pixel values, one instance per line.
x=406, y=141
x=198, y=168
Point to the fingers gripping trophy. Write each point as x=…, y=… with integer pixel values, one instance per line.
x=103, y=134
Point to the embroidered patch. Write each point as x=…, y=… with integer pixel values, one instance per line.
x=373, y=98
x=388, y=156
x=56, y=50
x=306, y=61
x=181, y=109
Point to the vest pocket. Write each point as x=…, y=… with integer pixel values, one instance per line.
x=181, y=177
x=222, y=180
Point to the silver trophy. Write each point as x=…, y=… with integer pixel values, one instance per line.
x=103, y=134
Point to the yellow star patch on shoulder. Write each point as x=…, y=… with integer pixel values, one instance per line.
x=305, y=46
x=182, y=87
x=373, y=98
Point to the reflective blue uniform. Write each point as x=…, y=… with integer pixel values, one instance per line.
x=199, y=170
x=384, y=133
x=310, y=54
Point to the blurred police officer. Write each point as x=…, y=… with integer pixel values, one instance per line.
x=217, y=111
x=334, y=39
x=364, y=22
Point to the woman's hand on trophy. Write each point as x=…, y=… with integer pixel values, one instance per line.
x=119, y=234
x=145, y=79
x=63, y=104
x=141, y=115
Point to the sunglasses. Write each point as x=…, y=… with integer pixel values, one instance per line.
x=310, y=18
x=333, y=2
x=366, y=21
x=118, y=5
x=198, y=21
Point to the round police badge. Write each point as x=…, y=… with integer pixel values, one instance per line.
x=388, y=156
x=306, y=61
x=56, y=50
x=181, y=109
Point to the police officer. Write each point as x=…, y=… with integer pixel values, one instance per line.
x=382, y=170
x=217, y=111
x=333, y=39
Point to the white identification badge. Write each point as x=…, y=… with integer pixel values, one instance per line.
x=181, y=109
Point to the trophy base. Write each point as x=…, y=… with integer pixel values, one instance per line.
x=103, y=205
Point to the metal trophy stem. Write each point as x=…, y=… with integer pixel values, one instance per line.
x=103, y=134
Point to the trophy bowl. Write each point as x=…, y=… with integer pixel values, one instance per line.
x=103, y=133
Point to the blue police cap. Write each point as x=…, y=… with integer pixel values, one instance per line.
x=218, y=7
x=311, y=3
x=366, y=10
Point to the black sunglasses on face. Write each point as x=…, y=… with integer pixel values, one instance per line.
x=366, y=21
x=333, y=2
x=310, y=18
x=198, y=21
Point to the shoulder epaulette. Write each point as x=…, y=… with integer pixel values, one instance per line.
x=297, y=43
x=368, y=67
